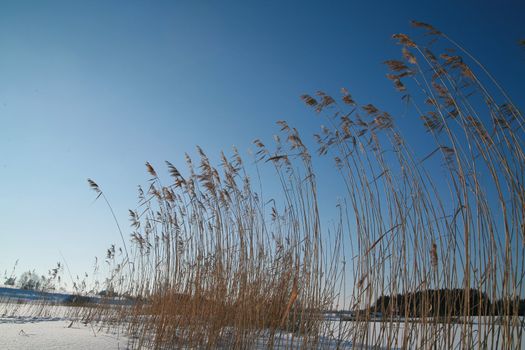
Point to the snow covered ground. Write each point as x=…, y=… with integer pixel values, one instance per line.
x=37, y=326
x=31, y=326
x=54, y=333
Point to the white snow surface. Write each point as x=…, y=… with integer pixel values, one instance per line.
x=31, y=326
x=54, y=333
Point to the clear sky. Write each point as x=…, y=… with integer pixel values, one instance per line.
x=96, y=88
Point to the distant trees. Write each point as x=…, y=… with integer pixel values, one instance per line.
x=10, y=281
x=446, y=302
x=510, y=307
x=29, y=280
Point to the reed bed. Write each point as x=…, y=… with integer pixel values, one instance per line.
x=212, y=265
x=420, y=230
x=430, y=237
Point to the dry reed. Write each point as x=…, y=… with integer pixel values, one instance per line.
x=436, y=230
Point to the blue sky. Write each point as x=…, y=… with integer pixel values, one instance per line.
x=96, y=88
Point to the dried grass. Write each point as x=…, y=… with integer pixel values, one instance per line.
x=214, y=265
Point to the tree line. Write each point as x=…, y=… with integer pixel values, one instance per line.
x=447, y=302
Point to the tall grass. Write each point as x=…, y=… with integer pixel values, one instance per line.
x=213, y=264
x=416, y=227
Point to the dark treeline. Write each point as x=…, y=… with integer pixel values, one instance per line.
x=447, y=302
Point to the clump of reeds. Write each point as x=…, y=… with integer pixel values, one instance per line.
x=212, y=264
x=444, y=215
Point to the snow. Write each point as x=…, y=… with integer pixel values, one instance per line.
x=37, y=326
x=34, y=326
x=51, y=333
